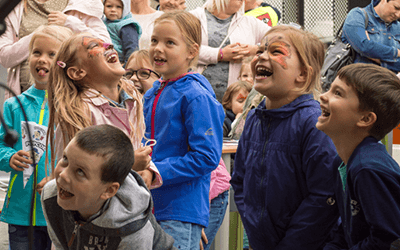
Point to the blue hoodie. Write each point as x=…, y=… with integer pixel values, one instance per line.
x=283, y=177
x=188, y=129
x=124, y=32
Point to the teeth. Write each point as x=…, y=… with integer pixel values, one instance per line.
x=263, y=71
x=325, y=112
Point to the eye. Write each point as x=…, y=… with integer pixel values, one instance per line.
x=337, y=92
x=92, y=45
x=245, y=75
x=36, y=52
x=170, y=42
x=153, y=40
x=80, y=172
x=52, y=54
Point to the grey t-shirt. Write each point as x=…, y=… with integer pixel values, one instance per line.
x=217, y=74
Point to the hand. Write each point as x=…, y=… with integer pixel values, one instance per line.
x=204, y=238
x=234, y=52
x=40, y=185
x=20, y=160
x=142, y=159
x=147, y=176
x=57, y=18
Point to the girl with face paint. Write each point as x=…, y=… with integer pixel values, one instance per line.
x=283, y=166
x=86, y=88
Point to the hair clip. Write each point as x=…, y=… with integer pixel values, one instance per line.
x=61, y=64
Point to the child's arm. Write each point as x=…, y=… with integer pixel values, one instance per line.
x=204, y=126
x=6, y=152
x=314, y=218
x=130, y=40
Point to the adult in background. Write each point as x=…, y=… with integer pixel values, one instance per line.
x=227, y=37
x=379, y=43
x=168, y=5
x=263, y=11
x=145, y=15
x=79, y=16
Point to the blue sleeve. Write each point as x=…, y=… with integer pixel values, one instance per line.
x=317, y=166
x=338, y=242
x=354, y=33
x=6, y=152
x=205, y=148
x=130, y=40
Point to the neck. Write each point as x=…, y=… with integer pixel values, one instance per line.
x=41, y=86
x=221, y=15
x=275, y=103
x=253, y=6
x=87, y=213
x=346, y=143
x=141, y=8
x=111, y=91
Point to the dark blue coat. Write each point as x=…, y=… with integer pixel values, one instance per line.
x=283, y=177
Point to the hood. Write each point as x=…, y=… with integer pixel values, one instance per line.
x=287, y=110
x=126, y=7
x=89, y=7
x=128, y=211
x=375, y=2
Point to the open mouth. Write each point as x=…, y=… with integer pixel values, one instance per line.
x=42, y=71
x=325, y=112
x=64, y=194
x=111, y=56
x=159, y=61
x=262, y=72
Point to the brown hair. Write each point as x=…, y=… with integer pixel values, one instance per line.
x=378, y=90
x=233, y=89
x=140, y=56
x=190, y=27
x=311, y=53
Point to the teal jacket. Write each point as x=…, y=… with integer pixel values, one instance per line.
x=16, y=209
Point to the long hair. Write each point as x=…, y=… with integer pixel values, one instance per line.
x=67, y=107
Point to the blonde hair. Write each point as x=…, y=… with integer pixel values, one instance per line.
x=246, y=61
x=190, y=27
x=233, y=89
x=311, y=52
x=140, y=56
x=58, y=33
x=66, y=106
x=220, y=5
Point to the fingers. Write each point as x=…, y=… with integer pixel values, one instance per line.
x=20, y=160
x=40, y=185
x=204, y=236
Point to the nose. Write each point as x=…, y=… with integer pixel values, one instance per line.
x=42, y=58
x=134, y=78
x=324, y=97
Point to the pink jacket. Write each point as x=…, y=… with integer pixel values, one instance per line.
x=220, y=178
x=242, y=29
x=84, y=16
x=103, y=113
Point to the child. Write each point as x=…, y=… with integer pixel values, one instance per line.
x=43, y=46
x=86, y=88
x=139, y=70
x=96, y=201
x=245, y=73
x=361, y=107
x=182, y=114
x=283, y=167
x=233, y=101
x=123, y=28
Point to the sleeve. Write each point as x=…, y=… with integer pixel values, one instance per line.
x=158, y=181
x=13, y=53
x=6, y=152
x=130, y=40
x=354, y=32
x=338, y=241
x=307, y=230
x=208, y=55
x=205, y=145
x=79, y=22
x=379, y=197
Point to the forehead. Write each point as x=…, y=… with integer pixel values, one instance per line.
x=116, y=2
x=277, y=36
x=138, y=62
x=80, y=157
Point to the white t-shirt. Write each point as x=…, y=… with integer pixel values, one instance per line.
x=147, y=24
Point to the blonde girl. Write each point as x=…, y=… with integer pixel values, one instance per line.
x=245, y=73
x=182, y=114
x=43, y=47
x=140, y=72
x=86, y=88
x=283, y=167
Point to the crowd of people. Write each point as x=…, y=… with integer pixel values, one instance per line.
x=128, y=105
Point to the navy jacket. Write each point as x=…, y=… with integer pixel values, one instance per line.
x=370, y=205
x=283, y=177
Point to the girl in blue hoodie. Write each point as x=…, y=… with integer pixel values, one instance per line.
x=283, y=173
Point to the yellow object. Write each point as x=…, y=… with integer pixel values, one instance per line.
x=266, y=14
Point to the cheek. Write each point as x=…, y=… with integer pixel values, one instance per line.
x=96, y=51
x=281, y=60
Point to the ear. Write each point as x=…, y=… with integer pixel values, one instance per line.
x=75, y=73
x=367, y=120
x=110, y=191
x=302, y=77
x=193, y=51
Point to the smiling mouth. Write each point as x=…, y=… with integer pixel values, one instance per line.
x=325, y=112
x=263, y=72
x=111, y=56
x=159, y=61
x=42, y=71
x=64, y=194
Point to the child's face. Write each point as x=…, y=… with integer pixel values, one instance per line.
x=246, y=74
x=113, y=9
x=238, y=100
x=99, y=60
x=142, y=84
x=79, y=185
x=340, y=109
x=278, y=69
x=169, y=54
x=43, y=52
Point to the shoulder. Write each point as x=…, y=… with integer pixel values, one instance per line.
x=194, y=86
x=49, y=190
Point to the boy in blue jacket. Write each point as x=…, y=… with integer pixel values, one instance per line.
x=362, y=106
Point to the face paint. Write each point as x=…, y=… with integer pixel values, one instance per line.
x=241, y=97
x=95, y=46
x=278, y=51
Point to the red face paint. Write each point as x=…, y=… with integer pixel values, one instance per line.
x=279, y=52
x=95, y=46
x=241, y=97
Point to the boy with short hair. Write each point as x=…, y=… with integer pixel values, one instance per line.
x=124, y=30
x=96, y=201
x=362, y=106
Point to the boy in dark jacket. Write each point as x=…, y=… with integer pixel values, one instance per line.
x=96, y=201
x=362, y=106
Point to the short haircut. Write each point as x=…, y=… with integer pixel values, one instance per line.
x=111, y=143
x=233, y=89
x=378, y=90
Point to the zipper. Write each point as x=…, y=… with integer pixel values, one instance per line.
x=10, y=189
x=153, y=110
x=262, y=161
x=77, y=226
